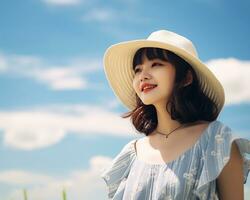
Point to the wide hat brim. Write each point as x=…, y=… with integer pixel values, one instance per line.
x=118, y=60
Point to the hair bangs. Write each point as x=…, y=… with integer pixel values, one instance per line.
x=150, y=53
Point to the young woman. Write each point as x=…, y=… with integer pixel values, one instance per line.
x=174, y=100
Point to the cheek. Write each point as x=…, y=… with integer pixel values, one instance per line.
x=135, y=85
x=166, y=81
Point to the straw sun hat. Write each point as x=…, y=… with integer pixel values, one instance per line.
x=118, y=60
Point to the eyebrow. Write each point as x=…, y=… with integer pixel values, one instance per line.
x=154, y=60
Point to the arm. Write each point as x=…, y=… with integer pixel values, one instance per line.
x=231, y=180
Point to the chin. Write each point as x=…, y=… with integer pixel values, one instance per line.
x=149, y=102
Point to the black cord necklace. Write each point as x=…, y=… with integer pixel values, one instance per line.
x=166, y=135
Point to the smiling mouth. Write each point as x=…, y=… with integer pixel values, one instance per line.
x=148, y=89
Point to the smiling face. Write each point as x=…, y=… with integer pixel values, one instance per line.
x=154, y=70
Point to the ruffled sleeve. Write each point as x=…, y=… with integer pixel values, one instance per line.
x=217, y=155
x=118, y=169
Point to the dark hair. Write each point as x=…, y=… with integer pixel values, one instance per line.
x=187, y=104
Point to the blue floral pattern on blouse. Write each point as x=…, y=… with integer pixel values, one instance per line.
x=191, y=176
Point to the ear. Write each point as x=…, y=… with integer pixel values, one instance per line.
x=189, y=78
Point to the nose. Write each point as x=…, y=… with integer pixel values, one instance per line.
x=144, y=75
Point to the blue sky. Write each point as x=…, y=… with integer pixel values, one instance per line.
x=59, y=120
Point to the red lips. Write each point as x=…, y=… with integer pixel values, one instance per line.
x=146, y=85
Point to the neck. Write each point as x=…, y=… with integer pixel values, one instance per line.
x=165, y=123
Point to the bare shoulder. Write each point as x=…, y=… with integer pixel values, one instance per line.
x=233, y=170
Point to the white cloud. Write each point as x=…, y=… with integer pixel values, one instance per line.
x=41, y=127
x=62, y=2
x=62, y=78
x=57, y=77
x=100, y=14
x=3, y=63
x=17, y=177
x=79, y=184
x=114, y=16
x=234, y=76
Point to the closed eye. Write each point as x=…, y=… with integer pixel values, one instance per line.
x=156, y=64
x=136, y=70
